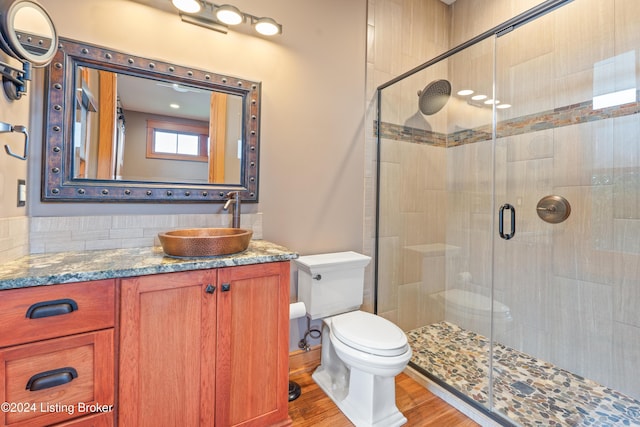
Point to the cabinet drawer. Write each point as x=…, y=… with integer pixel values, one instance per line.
x=33, y=314
x=57, y=380
x=96, y=420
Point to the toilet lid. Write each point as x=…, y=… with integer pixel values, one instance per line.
x=369, y=333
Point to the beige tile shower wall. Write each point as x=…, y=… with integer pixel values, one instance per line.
x=576, y=287
x=80, y=233
x=471, y=68
x=412, y=217
x=470, y=215
x=473, y=17
x=575, y=292
x=576, y=284
x=557, y=68
x=400, y=36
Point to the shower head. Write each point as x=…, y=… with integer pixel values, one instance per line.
x=434, y=96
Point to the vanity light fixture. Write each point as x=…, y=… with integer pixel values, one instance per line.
x=220, y=17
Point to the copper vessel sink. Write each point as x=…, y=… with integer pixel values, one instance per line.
x=199, y=242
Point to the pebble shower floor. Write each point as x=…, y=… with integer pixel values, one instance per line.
x=531, y=392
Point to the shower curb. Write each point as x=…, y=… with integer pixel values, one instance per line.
x=452, y=399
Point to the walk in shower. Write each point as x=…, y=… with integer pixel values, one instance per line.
x=508, y=226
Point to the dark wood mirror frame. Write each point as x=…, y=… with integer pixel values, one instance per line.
x=59, y=183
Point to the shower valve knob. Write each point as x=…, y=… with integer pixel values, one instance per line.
x=553, y=209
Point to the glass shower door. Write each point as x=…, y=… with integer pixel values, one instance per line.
x=508, y=235
x=435, y=222
x=567, y=164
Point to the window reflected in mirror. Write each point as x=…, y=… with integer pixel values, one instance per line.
x=129, y=128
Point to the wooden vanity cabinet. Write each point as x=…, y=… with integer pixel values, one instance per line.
x=167, y=334
x=252, y=375
x=205, y=348
x=57, y=354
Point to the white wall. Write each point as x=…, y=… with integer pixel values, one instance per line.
x=312, y=140
x=13, y=219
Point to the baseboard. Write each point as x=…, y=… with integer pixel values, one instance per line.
x=303, y=361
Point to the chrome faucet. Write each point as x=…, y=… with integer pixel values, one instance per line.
x=234, y=197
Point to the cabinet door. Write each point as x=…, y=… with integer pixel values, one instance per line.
x=167, y=348
x=253, y=345
x=56, y=380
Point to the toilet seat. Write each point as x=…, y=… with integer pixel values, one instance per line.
x=369, y=333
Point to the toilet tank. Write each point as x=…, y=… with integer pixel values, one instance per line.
x=332, y=283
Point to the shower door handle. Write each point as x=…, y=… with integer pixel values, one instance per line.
x=503, y=208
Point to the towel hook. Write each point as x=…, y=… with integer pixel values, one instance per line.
x=6, y=127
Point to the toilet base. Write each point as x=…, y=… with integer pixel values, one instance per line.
x=367, y=400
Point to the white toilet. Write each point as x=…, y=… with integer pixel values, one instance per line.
x=361, y=352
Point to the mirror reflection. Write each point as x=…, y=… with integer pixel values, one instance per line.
x=125, y=128
x=30, y=21
x=28, y=35
x=137, y=129
x=30, y=32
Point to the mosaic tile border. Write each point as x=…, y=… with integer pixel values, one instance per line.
x=529, y=391
x=558, y=117
x=410, y=134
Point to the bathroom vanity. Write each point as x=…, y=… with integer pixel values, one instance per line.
x=131, y=337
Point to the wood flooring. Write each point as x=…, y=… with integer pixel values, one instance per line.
x=420, y=406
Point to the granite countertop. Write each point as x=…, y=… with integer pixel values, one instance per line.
x=69, y=267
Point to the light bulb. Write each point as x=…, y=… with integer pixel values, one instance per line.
x=187, y=6
x=229, y=15
x=267, y=27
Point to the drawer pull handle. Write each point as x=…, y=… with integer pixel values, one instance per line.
x=51, y=308
x=50, y=379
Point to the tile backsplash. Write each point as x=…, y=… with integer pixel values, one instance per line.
x=14, y=238
x=80, y=233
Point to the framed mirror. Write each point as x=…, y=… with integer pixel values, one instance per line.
x=124, y=128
